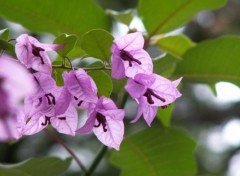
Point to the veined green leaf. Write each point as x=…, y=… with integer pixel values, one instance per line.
x=156, y=152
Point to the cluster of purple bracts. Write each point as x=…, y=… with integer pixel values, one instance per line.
x=148, y=89
x=45, y=103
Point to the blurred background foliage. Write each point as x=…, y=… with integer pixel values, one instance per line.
x=211, y=115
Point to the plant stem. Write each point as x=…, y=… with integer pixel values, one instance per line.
x=59, y=141
x=97, y=160
x=86, y=69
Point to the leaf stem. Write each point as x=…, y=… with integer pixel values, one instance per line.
x=59, y=141
x=86, y=69
x=97, y=160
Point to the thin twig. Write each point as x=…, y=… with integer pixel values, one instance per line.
x=86, y=69
x=59, y=141
x=97, y=160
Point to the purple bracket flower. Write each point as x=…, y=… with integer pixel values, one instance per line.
x=81, y=87
x=152, y=91
x=129, y=58
x=15, y=83
x=106, y=121
x=33, y=54
x=56, y=110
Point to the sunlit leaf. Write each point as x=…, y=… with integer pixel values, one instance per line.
x=124, y=17
x=68, y=41
x=175, y=45
x=4, y=34
x=72, y=17
x=161, y=16
x=164, y=115
x=97, y=43
x=156, y=152
x=165, y=65
x=212, y=61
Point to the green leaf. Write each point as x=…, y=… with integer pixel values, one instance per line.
x=165, y=65
x=161, y=16
x=57, y=74
x=175, y=45
x=51, y=166
x=212, y=61
x=69, y=41
x=156, y=152
x=124, y=17
x=97, y=43
x=4, y=34
x=164, y=115
x=75, y=17
x=4, y=45
x=102, y=79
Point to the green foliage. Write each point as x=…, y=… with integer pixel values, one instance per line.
x=4, y=34
x=165, y=65
x=97, y=43
x=161, y=16
x=57, y=74
x=212, y=61
x=68, y=41
x=175, y=45
x=51, y=166
x=5, y=46
x=74, y=17
x=103, y=82
x=156, y=152
x=102, y=79
x=124, y=17
x=164, y=115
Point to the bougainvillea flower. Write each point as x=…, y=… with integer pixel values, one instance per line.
x=129, y=58
x=152, y=91
x=106, y=122
x=33, y=54
x=15, y=83
x=81, y=87
x=44, y=86
x=56, y=110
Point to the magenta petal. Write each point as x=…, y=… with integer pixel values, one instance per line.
x=116, y=114
x=67, y=122
x=88, y=126
x=135, y=89
x=34, y=125
x=38, y=66
x=44, y=83
x=132, y=41
x=145, y=79
x=114, y=134
x=63, y=99
x=17, y=80
x=165, y=89
x=146, y=65
x=139, y=112
x=149, y=112
x=82, y=88
x=118, y=70
x=105, y=104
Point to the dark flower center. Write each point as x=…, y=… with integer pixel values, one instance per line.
x=62, y=118
x=101, y=121
x=50, y=98
x=47, y=121
x=36, y=52
x=80, y=102
x=149, y=93
x=126, y=56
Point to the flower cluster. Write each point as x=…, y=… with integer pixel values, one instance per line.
x=45, y=103
x=150, y=90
